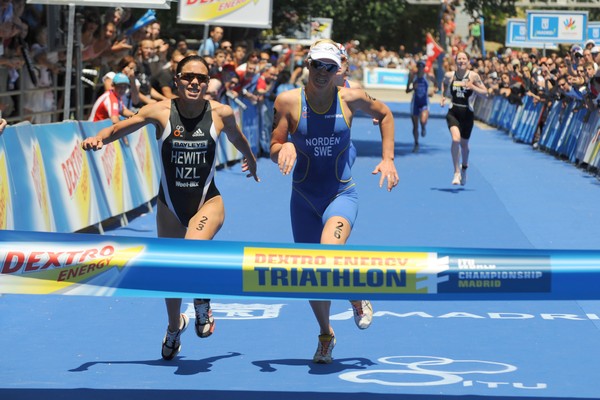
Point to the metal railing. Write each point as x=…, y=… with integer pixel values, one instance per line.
x=19, y=97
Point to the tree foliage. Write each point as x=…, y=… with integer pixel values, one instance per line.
x=373, y=23
x=387, y=23
x=490, y=8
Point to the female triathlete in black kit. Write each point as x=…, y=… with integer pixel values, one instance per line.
x=462, y=83
x=189, y=204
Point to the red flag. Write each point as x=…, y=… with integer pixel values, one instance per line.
x=433, y=51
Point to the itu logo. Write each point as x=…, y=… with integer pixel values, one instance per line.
x=422, y=371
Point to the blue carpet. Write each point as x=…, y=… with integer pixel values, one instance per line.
x=59, y=347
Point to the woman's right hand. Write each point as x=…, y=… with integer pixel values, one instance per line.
x=92, y=143
x=287, y=157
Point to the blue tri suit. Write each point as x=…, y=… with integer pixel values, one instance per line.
x=420, y=99
x=322, y=184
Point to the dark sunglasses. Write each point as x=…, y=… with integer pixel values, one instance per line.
x=190, y=76
x=321, y=66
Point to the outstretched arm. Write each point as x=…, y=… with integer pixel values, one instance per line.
x=150, y=114
x=361, y=100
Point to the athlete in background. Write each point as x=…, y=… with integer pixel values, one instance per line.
x=463, y=83
x=419, y=104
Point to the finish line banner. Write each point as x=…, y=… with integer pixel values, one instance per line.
x=96, y=265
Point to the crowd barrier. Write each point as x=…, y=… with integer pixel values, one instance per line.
x=48, y=183
x=570, y=131
x=97, y=265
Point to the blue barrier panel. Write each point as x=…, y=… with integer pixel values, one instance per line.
x=517, y=123
x=495, y=111
x=526, y=124
x=73, y=191
x=589, y=130
x=108, y=165
x=95, y=265
x=593, y=147
x=226, y=152
x=32, y=208
x=385, y=78
x=536, y=114
x=6, y=189
x=574, y=134
x=266, y=125
x=564, y=130
x=552, y=123
x=251, y=125
x=144, y=160
x=128, y=169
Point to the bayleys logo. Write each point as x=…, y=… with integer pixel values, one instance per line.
x=46, y=271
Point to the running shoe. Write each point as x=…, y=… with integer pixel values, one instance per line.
x=456, y=180
x=324, y=350
x=171, y=344
x=415, y=148
x=463, y=175
x=205, y=323
x=363, y=313
x=423, y=132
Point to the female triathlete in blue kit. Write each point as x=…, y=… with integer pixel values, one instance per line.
x=324, y=201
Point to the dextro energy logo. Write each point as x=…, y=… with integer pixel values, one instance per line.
x=340, y=271
x=218, y=8
x=43, y=271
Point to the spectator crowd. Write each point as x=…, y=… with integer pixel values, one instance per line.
x=135, y=64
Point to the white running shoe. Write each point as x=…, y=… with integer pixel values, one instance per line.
x=325, y=349
x=456, y=180
x=171, y=344
x=205, y=323
x=363, y=313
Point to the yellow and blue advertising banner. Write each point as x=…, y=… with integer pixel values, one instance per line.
x=6, y=188
x=142, y=161
x=22, y=160
x=96, y=265
x=71, y=184
x=109, y=165
x=242, y=13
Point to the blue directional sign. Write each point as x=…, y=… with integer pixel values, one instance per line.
x=516, y=36
x=593, y=31
x=557, y=26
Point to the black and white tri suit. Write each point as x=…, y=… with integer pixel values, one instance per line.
x=188, y=152
x=460, y=113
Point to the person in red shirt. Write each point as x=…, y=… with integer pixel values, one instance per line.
x=110, y=103
x=252, y=84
